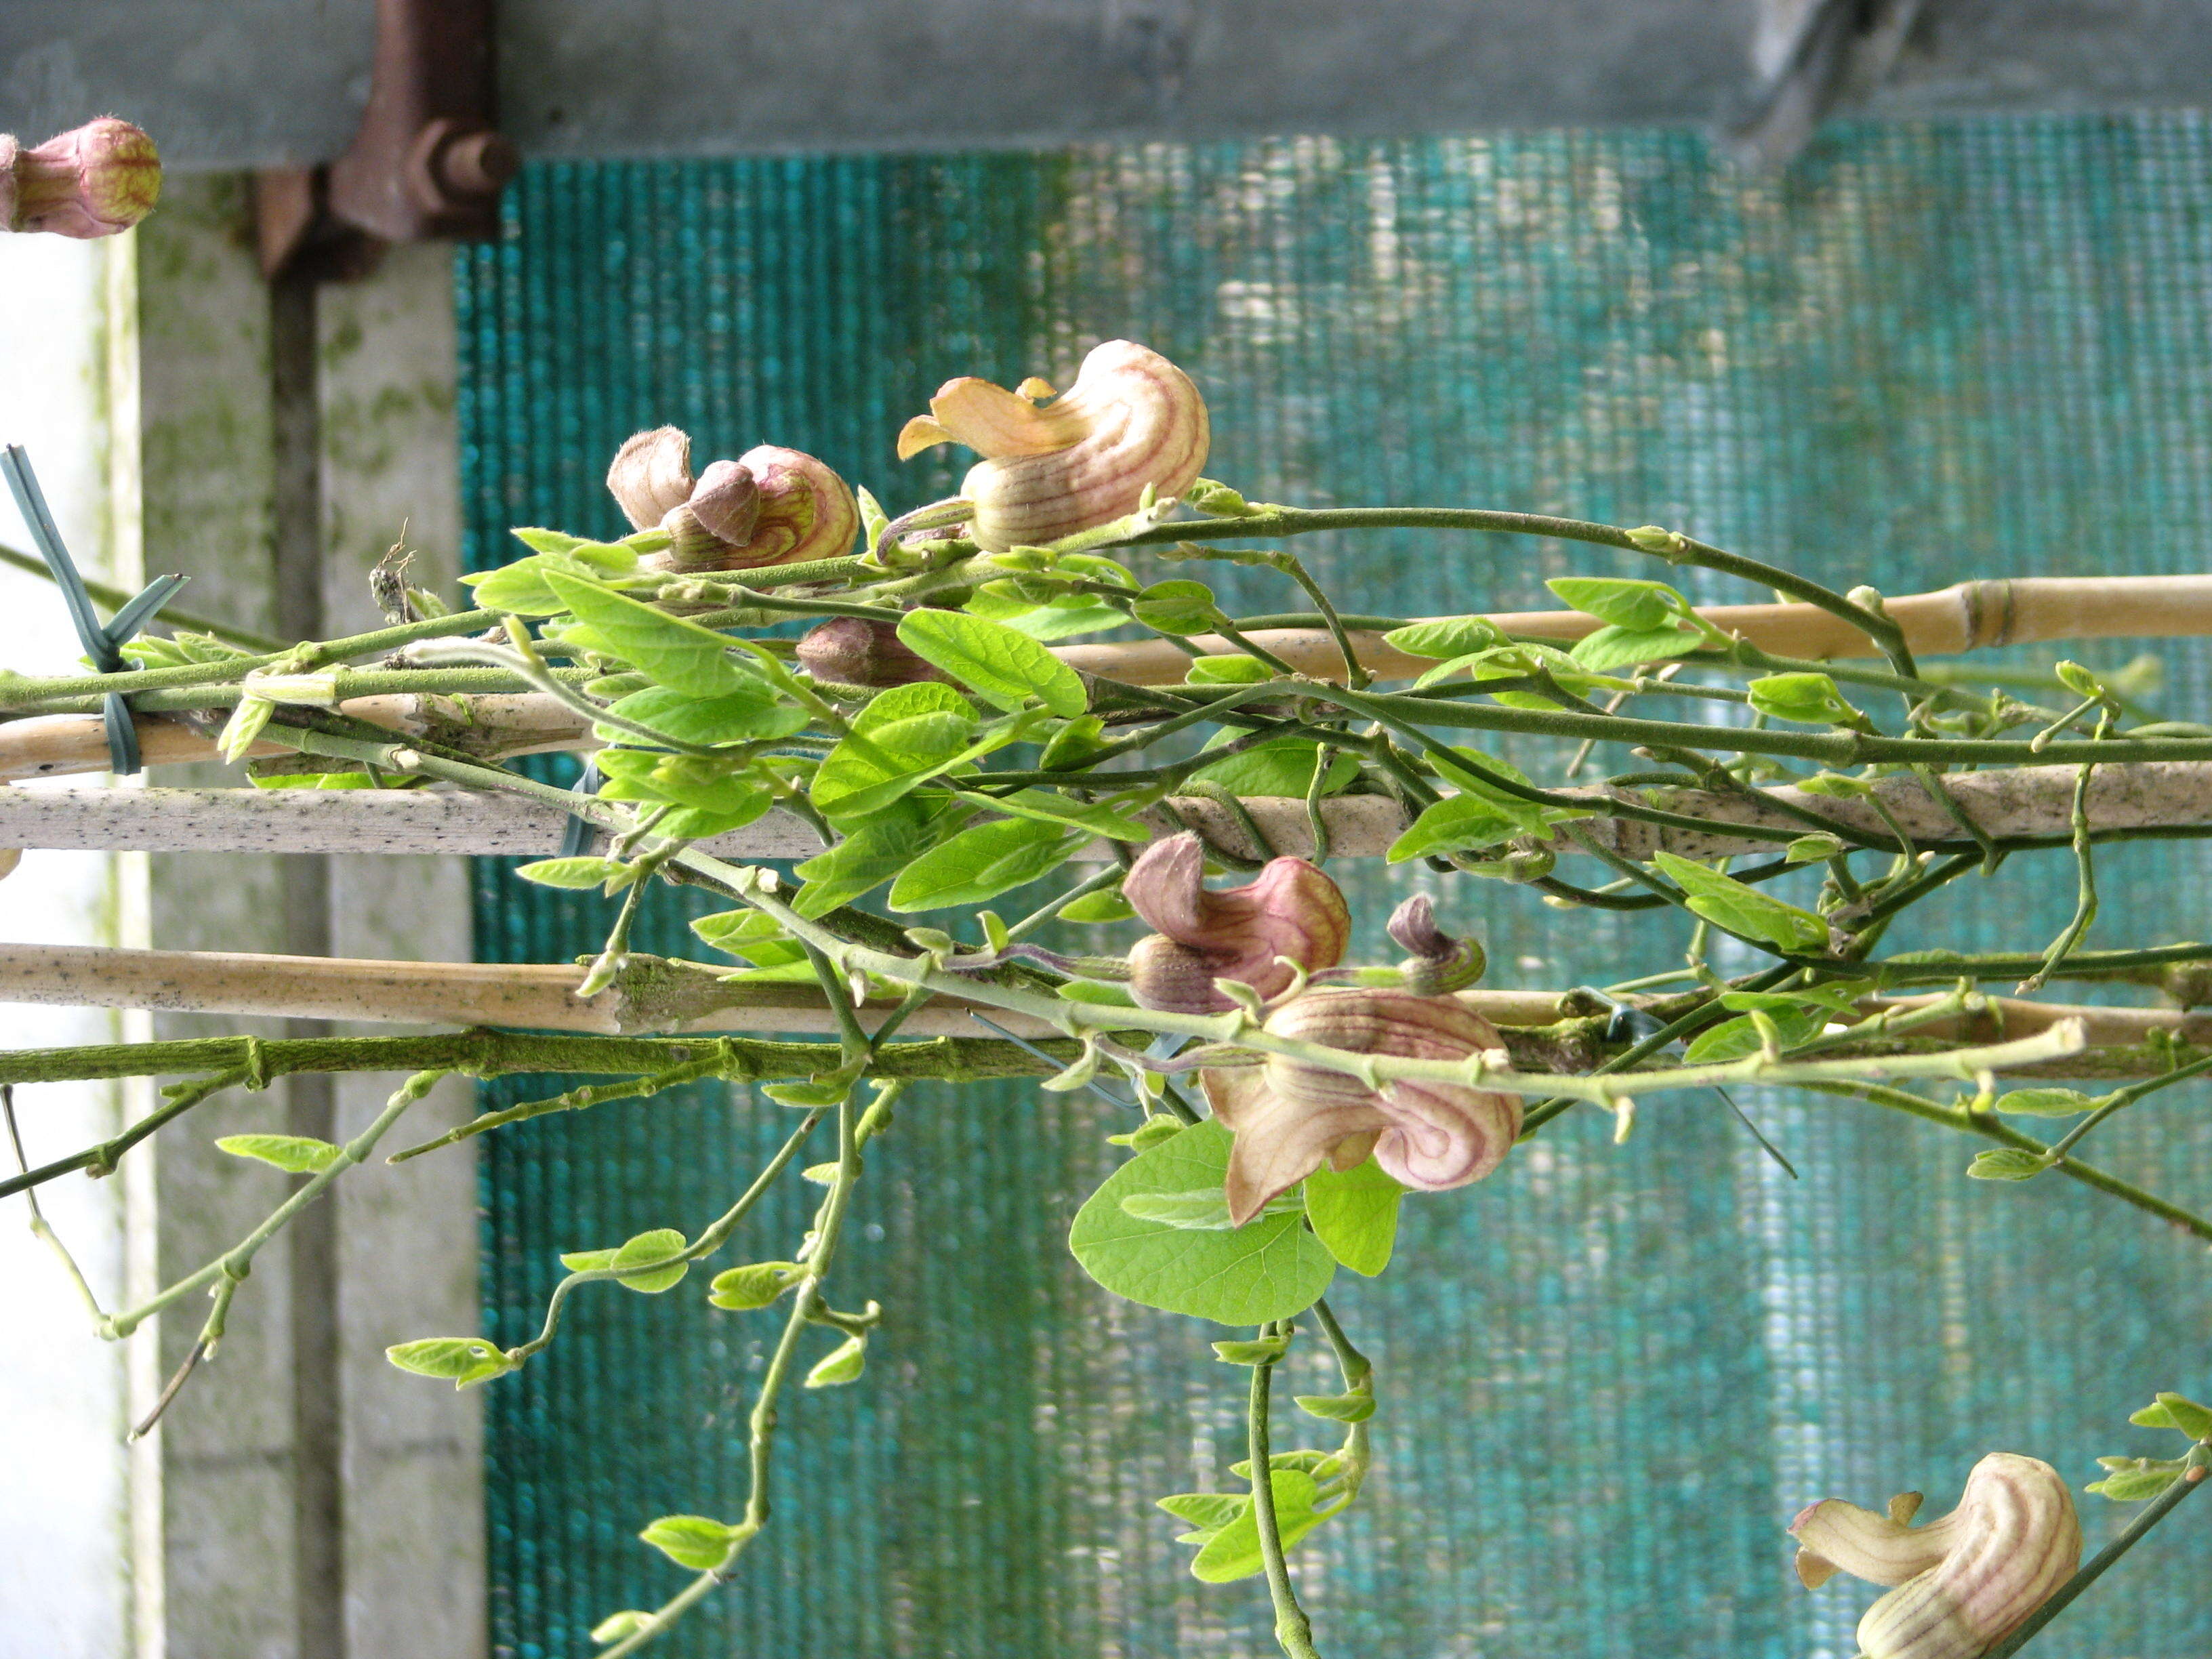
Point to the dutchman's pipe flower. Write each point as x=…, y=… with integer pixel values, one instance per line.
x=770, y=506
x=1291, y=909
x=1963, y=1582
x=1132, y=419
x=1289, y=1117
x=95, y=180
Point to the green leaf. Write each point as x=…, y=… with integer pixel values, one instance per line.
x=1237, y=670
x=1107, y=905
x=2185, y=1414
x=983, y=862
x=2139, y=1478
x=1732, y=1039
x=1354, y=1213
x=245, y=724
x=1004, y=668
x=1210, y=1511
x=1446, y=636
x=1206, y=1210
x=856, y=781
x=1336, y=1407
x=1729, y=903
x=1807, y=698
x=609, y=558
x=743, y=933
x=1618, y=647
x=1265, y=1351
x=520, y=587
x=756, y=1284
x=1180, y=607
x=643, y=1262
x=1812, y=849
x=867, y=857
x=1268, y=1269
x=1836, y=786
x=577, y=872
x=1233, y=1553
x=1046, y=806
x=545, y=541
x=680, y=655
x=462, y=1359
x=2079, y=680
x=1457, y=823
x=2007, y=1163
x=749, y=715
x=1638, y=606
x=1838, y=998
x=841, y=1364
x=1150, y=1132
x=294, y=1154
x=315, y=781
x=2045, y=1102
x=617, y=1625
x=691, y=1540
x=725, y=789
x=1474, y=773
x=997, y=602
x=1513, y=662
x=1097, y=992
x=1073, y=744
x=1283, y=767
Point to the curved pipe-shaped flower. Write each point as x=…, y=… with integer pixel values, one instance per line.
x=1963, y=1582
x=1131, y=419
x=1291, y=909
x=805, y=511
x=95, y=180
x=1289, y=1117
x=770, y=506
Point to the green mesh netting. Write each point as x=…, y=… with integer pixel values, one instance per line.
x=1609, y=1375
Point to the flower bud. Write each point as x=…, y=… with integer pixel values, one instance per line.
x=854, y=651
x=726, y=501
x=1130, y=420
x=96, y=180
x=1289, y=1117
x=1292, y=909
x=770, y=506
x=1437, y=963
x=1965, y=1581
x=651, y=476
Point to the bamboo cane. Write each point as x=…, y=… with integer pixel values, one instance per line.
x=661, y=997
x=1971, y=616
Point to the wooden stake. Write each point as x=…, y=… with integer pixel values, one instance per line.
x=2012, y=804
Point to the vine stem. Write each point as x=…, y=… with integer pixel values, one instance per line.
x=1293, y=1629
x=233, y=1264
x=761, y=1424
x=1987, y=1126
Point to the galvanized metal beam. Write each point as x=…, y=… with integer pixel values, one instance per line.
x=275, y=83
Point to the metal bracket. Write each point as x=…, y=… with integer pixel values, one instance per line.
x=428, y=162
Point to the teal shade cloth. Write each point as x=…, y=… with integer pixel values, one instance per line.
x=1610, y=1374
